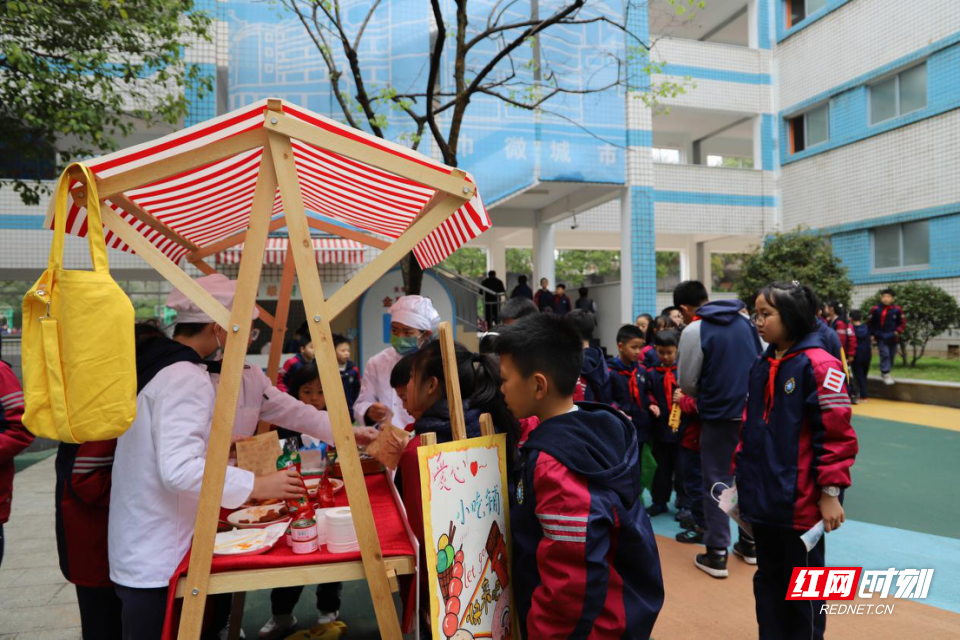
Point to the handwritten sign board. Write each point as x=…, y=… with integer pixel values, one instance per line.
x=467, y=538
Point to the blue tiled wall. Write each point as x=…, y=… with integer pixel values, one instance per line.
x=643, y=250
x=768, y=142
x=854, y=248
x=202, y=108
x=849, y=104
x=764, y=24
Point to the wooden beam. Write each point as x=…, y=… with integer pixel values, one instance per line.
x=301, y=246
x=448, y=354
x=230, y=241
x=428, y=439
x=486, y=425
x=236, y=615
x=396, y=164
x=137, y=212
x=375, y=270
x=257, y=579
x=172, y=165
x=265, y=316
x=283, y=312
x=165, y=267
x=225, y=408
x=349, y=234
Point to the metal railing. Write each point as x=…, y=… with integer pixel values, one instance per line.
x=469, y=297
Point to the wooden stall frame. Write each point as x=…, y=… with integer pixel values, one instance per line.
x=278, y=169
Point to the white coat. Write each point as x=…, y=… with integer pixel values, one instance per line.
x=375, y=387
x=260, y=400
x=157, y=473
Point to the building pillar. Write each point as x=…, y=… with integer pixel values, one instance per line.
x=497, y=255
x=637, y=213
x=544, y=255
x=753, y=24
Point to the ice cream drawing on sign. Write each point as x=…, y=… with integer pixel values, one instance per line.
x=466, y=528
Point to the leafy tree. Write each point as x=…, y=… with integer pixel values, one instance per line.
x=795, y=255
x=929, y=310
x=668, y=270
x=473, y=56
x=574, y=265
x=467, y=261
x=520, y=260
x=77, y=74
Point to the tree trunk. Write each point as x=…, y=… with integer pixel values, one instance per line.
x=412, y=275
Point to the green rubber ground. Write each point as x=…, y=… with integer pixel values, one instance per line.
x=907, y=476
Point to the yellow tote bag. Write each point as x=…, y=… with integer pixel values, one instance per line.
x=78, y=351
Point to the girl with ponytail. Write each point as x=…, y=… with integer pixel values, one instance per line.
x=835, y=315
x=794, y=457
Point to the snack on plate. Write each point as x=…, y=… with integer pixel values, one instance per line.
x=389, y=446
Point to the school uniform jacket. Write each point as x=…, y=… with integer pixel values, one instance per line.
x=594, y=384
x=586, y=563
x=886, y=322
x=864, y=352
x=632, y=394
x=14, y=437
x=663, y=382
x=350, y=376
x=716, y=352
x=796, y=436
x=848, y=338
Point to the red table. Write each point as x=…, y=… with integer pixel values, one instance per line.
x=231, y=574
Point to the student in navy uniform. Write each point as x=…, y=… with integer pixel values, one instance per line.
x=666, y=441
x=585, y=560
x=594, y=383
x=717, y=349
x=630, y=382
x=544, y=298
x=886, y=323
x=831, y=340
x=563, y=305
x=349, y=372
x=793, y=461
x=861, y=362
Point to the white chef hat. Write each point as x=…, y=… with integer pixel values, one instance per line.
x=218, y=285
x=415, y=312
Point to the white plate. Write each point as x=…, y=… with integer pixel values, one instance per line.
x=253, y=514
x=313, y=484
x=248, y=542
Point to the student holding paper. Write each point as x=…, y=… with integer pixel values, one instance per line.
x=794, y=457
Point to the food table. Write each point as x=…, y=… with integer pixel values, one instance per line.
x=280, y=567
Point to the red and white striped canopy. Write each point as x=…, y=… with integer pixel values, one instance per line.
x=327, y=250
x=209, y=203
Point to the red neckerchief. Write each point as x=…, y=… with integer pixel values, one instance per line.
x=695, y=318
x=634, y=387
x=669, y=382
x=883, y=316
x=770, y=391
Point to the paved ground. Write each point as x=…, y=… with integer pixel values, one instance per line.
x=904, y=512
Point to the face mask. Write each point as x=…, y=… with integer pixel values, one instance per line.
x=404, y=346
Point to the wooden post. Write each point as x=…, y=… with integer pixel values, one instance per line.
x=427, y=439
x=280, y=321
x=236, y=615
x=225, y=409
x=318, y=321
x=448, y=352
x=486, y=425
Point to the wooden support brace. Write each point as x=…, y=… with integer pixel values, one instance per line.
x=420, y=229
x=265, y=316
x=318, y=321
x=486, y=425
x=225, y=408
x=349, y=234
x=409, y=168
x=165, y=267
x=448, y=353
x=230, y=241
x=137, y=212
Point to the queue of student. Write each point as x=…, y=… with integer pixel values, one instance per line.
x=692, y=389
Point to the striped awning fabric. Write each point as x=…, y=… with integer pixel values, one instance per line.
x=327, y=250
x=209, y=203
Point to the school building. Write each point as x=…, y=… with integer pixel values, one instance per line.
x=837, y=115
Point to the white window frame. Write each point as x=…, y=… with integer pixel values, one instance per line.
x=678, y=150
x=803, y=114
x=896, y=94
x=899, y=267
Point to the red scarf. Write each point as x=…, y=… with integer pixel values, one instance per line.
x=771, y=390
x=669, y=383
x=634, y=387
x=883, y=317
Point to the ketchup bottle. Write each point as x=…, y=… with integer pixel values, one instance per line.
x=325, y=492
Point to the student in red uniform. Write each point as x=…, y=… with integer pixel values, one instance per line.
x=14, y=438
x=585, y=561
x=306, y=355
x=794, y=457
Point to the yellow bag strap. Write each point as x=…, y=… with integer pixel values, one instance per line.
x=98, y=247
x=49, y=329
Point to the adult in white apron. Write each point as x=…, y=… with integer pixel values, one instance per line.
x=413, y=322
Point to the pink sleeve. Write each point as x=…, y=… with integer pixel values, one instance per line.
x=563, y=509
x=688, y=404
x=834, y=440
x=15, y=438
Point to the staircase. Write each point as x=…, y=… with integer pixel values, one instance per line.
x=468, y=297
